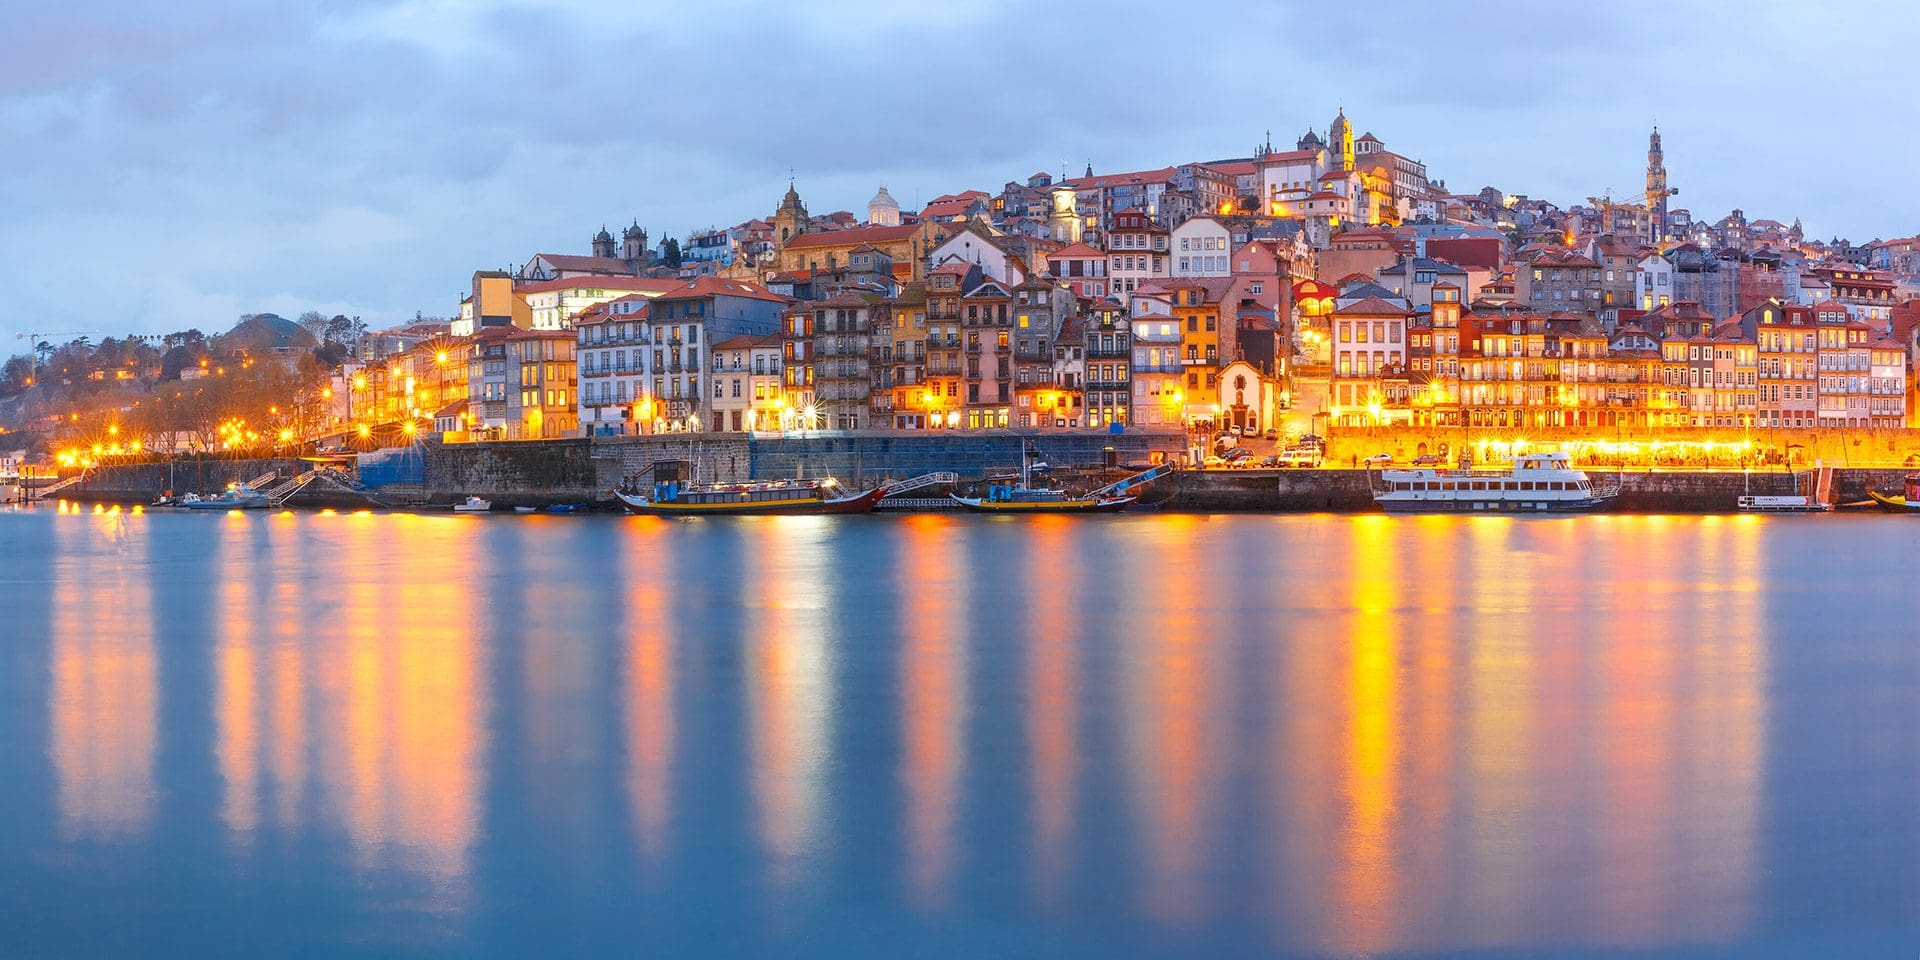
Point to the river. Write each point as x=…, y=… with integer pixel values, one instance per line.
x=1151, y=735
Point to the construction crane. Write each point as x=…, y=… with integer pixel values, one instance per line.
x=1607, y=203
x=33, y=339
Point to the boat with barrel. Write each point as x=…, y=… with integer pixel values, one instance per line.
x=1906, y=501
x=1004, y=495
x=783, y=497
x=1536, y=483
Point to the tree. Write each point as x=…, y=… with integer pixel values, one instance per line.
x=313, y=322
x=14, y=375
x=339, y=329
x=670, y=252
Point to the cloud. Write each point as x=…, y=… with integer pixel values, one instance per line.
x=179, y=165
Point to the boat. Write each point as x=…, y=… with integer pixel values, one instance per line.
x=237, y=496
x=783, y=497
x=10, y=488
x=1005, y=497
x=473, y=505
x=525, y=509
x=1536, y=483
x=1783, y=504
x=1906, y=501
x=1820, y=485
x=567, y=508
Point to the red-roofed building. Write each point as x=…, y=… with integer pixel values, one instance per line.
x=1080, y=268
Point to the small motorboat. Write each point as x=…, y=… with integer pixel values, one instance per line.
x=1906, y=501
x=567, y=508
x=237, y=496
x=525, y=509
x=473, y=505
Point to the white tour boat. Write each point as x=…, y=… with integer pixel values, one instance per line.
x=1537, y=483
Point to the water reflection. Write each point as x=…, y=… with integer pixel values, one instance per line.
x=933, y=669
x=104, y=701
x=1347, y=736
x=1173, y=694
x=649, y=702
x=1053, y=697
x=399, y=692
x=789, y=667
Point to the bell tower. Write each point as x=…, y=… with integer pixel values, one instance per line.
x=1657, y=191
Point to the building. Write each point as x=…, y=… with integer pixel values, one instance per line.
x=1200, y=247
x=1136, y=250
x=522, y=385
x=909, y=409
x=1554, y=280
x=1370, y=376
x=842, y=367
x=1081, y=269
x=1159, y=375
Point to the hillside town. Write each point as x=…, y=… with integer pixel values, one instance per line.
x=1327, y=285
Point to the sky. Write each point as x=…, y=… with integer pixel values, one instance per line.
x=166, y=166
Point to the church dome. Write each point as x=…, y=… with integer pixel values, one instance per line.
x=883, y=199
x=603, y=235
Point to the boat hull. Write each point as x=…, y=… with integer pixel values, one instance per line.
x=799, y=506
x=1107, y=505
x=1523, y=507
x=226, y=505
x=1893, y=504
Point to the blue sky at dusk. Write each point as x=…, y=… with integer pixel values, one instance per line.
x=176, y=165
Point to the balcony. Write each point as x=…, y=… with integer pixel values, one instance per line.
x=1118, y=352
x=1109, y=386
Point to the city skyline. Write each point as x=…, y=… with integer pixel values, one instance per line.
x=348, y=161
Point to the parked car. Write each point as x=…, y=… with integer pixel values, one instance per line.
x=1271, y=434
x=1270, y=461
x=1426, y=460
x=1300, y=457
x=1309, y=440
x=1378, y=460
x=1237, y=453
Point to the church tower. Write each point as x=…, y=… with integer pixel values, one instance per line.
x=603, y=244
x=1340, y=142
x=633, y=245
x=883, y=210
x=1657, y=187
x=1063, y=214
x=791, y=219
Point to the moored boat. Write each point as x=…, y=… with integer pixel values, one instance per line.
x=1906, y=501
x=782, y=497
x=1536, y=483
x=473, y=505
x=1006, y=497
x=237, y=496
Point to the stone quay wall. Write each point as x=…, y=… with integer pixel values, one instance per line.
x=532, y=473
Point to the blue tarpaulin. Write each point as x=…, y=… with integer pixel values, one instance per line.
x=396, y=465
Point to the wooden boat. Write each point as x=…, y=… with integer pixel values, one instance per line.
x=473, y=505
x=1003, y=497
x=783, y=497
x=1906, y=501
x=1537, y=483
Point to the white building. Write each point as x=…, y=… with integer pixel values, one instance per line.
x=1653, y=282
x=1201, y=247
x=969, y=245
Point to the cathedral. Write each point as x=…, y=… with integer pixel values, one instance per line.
x=632, y=249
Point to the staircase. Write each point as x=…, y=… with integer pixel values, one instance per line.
x=41, y=493
x=263, y=479
x=285, y=490
x=922, y=482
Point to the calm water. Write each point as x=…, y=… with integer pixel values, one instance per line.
x=942, y=736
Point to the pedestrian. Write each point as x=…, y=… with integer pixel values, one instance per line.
x=1356, y=461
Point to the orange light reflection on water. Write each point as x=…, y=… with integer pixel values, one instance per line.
x=790, y=688
x=104, y=700
x=933, y=588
